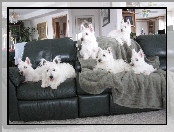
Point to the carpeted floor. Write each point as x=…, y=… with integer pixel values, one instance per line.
x=155, y=117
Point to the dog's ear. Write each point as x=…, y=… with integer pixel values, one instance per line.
x=128, y=22
x=57, y=59
x=19, y=60
x=109, y=49
x=42, y=62
x=27, y=60
x=82, y=27
x=91, y=28
x=140, y=53
x=133, y=51
x=99, y=49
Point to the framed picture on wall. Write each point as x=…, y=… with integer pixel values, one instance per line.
x=85, y=20
x=105, y=16
x=42, y=30
x=130, y=19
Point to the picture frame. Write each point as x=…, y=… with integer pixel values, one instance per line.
x=42, y=30
x=130, y=19
x=85, y=20
x=105, y=16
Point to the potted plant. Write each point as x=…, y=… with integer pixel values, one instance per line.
x=22, y=33
x=26, y=33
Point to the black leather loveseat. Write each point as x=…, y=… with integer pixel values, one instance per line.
x=30, y=102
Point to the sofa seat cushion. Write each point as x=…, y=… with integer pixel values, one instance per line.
x=34, y=91
x=93, y=105
x=40, y=110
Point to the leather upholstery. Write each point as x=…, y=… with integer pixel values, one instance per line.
x=15, y=76
x=48, y=109
x=93, y=105
x=49, y=49
x=13, y=103
x=154, y=45
x=34, y=91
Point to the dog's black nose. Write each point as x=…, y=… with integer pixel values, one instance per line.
x=82, y=39
x=99, y=60
x=21, y=72
x=132, y=64
x=51, y=77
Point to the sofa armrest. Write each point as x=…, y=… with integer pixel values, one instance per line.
x=13, y=103
x=15, y=76
x=77, y=66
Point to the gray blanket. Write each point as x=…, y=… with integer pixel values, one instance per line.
x=128, y=89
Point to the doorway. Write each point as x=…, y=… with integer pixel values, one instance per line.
x=59, y=26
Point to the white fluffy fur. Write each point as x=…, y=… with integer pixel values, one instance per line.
x=106, y=61
x=139, y=65
x=25, y=69
x=55, y=73
x=89, y=43
x=122, y=35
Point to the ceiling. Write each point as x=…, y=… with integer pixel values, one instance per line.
x=23, y=12
x=155, y=13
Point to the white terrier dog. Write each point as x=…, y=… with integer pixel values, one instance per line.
x=122, y=35
x=139, y=65
x=41, y=67
x=106, y=61
x=25, y=69
x=55, y=73
x=89, y=43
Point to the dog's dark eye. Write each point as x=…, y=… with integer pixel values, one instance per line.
x=104, y=55
x=53, y=69
x=47, y=70
x=86, y=33
x=25, y=67
x=125, y=26
x=136, y=59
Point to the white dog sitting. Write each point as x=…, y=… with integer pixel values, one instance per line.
x=139, y=65
x=89, y=43
x=25, y=69
x=122, y=35
x=56, y=73
x=106, y=61
x=41, y=67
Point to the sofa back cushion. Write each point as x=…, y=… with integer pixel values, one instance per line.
x=154, y=45
x=49, y=49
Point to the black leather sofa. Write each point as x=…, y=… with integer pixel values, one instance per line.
x=30, y=102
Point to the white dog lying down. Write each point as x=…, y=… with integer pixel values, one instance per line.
x=139, y=65
x=25, y=69
x=55, y=73
x=106, y=61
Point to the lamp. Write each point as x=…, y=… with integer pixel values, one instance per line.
x=13, y=17
x=145, y=13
